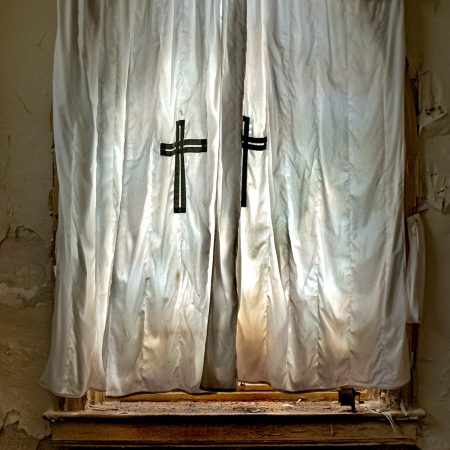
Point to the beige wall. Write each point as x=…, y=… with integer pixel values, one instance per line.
x=27, y=34
x=428, y=50
x=26, y=45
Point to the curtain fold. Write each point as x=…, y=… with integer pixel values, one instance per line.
x=219, y=370
x=230, y=195
x=322, y=284
x=415, y=273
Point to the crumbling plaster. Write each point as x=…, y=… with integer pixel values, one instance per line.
x=428, y=51
x=26, y=51
x=26, y=47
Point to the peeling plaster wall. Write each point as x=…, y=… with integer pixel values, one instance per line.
x=428, y=50
x=26, y=47
x=26, y=52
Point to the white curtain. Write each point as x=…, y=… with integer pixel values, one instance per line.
x=195, y=247
x=415, y=268
x=322, y=291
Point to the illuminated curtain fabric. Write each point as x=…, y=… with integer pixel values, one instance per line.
x=322, y=285
x=134, y=277
x=163, y=280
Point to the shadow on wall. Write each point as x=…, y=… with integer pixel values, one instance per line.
x=428, y=48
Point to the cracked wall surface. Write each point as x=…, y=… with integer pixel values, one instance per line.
x=428, y=50
x=26, y=52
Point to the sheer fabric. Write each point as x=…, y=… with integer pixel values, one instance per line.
x=322, y=290
x=163, y=281
x=134, y=278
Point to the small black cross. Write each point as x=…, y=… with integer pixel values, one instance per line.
x=179, y=148
x=248, y=143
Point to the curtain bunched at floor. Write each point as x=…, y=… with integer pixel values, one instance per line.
x=231, y=178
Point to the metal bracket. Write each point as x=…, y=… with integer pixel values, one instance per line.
x=347, y=397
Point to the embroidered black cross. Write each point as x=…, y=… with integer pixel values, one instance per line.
x=179, y=148
x=248, y=143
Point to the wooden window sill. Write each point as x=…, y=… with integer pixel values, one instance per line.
x=230, y=424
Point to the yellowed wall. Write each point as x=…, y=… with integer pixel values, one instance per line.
x=428, y=49
x=27, y=33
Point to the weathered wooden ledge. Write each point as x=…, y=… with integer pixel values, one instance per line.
x=119, y=424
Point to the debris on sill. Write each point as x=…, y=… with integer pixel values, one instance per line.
x=211, y=408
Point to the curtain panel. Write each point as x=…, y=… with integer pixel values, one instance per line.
x=231, y=178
